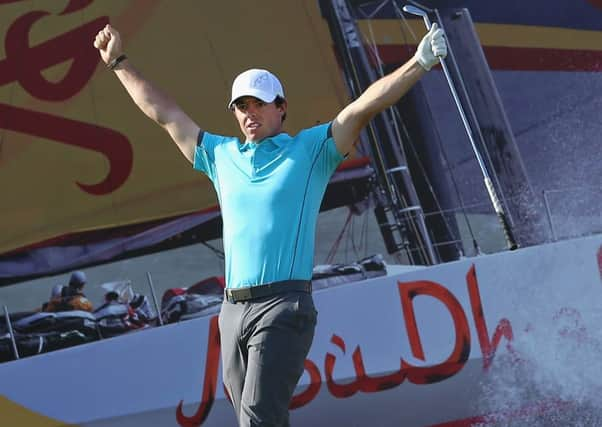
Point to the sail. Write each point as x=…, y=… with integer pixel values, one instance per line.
x=85, y=177
x=77, y=158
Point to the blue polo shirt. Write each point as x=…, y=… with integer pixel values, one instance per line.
x=270, y=194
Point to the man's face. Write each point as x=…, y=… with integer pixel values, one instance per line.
x=257, y=119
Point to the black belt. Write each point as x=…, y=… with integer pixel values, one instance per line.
x=235, y=295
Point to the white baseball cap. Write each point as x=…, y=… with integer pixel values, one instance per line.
x=258, y=83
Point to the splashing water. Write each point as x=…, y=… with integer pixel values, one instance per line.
x=552, y=377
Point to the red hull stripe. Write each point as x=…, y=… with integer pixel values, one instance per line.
x=516, y=59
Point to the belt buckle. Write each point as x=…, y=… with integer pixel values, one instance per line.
x=243, y=294
x=237, y=295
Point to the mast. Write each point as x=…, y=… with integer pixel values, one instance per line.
x=398, y=211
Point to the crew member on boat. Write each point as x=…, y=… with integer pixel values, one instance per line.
x=270, y=186
x=71, y=296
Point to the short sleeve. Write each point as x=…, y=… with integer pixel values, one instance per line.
x=204, y=153
x=321, y=148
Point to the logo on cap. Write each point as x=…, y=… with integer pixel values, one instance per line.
x=259, y=81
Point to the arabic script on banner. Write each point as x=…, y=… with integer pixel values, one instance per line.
x=24, y=64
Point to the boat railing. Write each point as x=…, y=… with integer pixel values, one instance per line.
x=577, y=215
x=11, y=333
x=154, y=296
x=566, y=213
x=18, y=332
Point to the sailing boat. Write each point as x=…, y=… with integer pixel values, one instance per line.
x=454, y=338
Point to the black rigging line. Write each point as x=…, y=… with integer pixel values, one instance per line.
x=398, y=195
x=399, y=120
x=218, y=253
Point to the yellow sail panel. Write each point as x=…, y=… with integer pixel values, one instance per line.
x=410, y=31
x=76, y=154
x=14, y=414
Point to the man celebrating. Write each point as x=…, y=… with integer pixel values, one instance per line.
x=270, y=186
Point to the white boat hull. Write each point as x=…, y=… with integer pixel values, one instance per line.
x=437, y=345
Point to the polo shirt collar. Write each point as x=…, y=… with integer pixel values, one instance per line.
x=278, y=141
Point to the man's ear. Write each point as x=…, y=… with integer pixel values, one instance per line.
x=283, y=107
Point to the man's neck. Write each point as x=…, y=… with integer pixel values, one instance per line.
x=258, y=141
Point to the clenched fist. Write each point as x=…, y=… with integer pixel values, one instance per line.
x=108, y=42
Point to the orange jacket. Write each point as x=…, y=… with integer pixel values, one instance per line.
x=75, y=302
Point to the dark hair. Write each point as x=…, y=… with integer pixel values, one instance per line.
x=111, y=296
x=279, y=101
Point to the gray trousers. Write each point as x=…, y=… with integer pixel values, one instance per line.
x=264, y=343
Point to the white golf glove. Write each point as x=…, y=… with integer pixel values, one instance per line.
x=431, y=48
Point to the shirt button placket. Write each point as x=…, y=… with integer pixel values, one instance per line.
x=254, y=163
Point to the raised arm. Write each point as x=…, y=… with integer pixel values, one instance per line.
x=386, y=91
x=153, y=102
